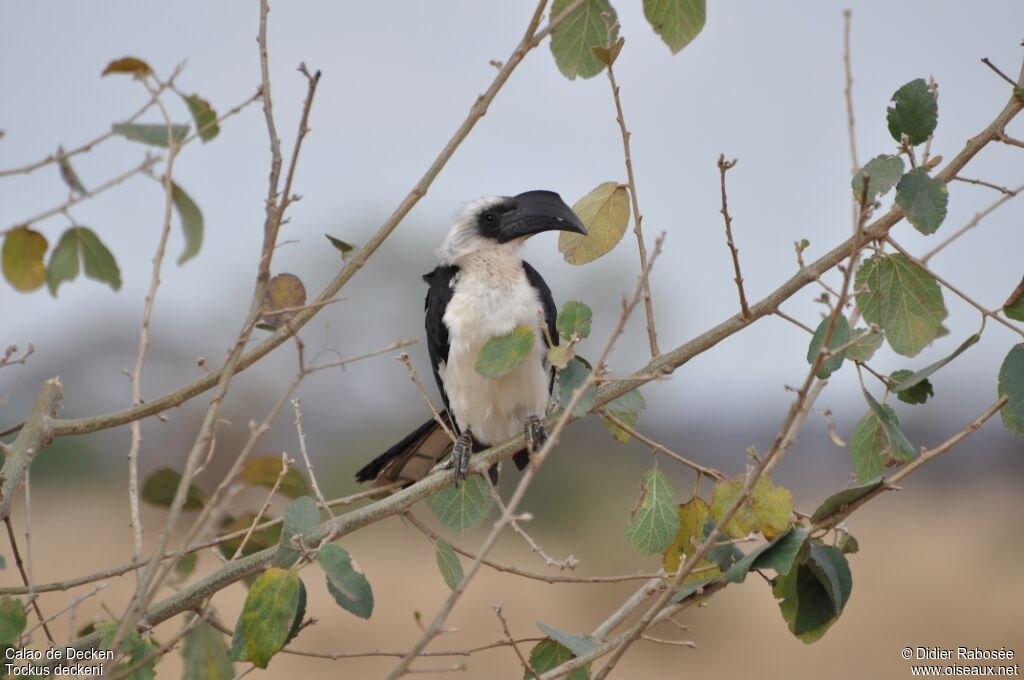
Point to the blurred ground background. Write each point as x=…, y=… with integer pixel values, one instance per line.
x=939, y=560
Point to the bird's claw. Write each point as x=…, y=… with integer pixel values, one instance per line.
x=460, y=456
x=536, y=436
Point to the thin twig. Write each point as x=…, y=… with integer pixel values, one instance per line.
x=974, y=221
x=305, y=458
x=661, y=448
x=26, y=579
x=88, y=146
x=953, y=289
x=135, y=431
x=638, y=218
x=530, y=673
x=404, y=358
x=995, y=68
x=982, y=183
x=286, y=464
x=569, y=562
x=851, y=126
x=148, y=162
x=723, y=167
x=11, y=350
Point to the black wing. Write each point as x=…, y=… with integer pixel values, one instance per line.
x=438, y=297
x=522, y=458
x=550, y=311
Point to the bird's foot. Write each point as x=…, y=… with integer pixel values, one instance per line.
x=535, y=434
x=460, y=456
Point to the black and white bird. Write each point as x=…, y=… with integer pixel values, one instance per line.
x=480, y=290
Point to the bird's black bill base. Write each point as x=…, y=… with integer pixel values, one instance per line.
x=461, y=452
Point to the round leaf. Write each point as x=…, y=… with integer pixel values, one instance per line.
x=464, y=506
x=605, y=213
x=895, y=293
x=914, y=112
x=923, y=199
x=678, y=22
x=22, y=259
x=268, y=615
x=1011, y=384
x=573, y=40
x=656, y=521
x=348, y=587
x=502, y=354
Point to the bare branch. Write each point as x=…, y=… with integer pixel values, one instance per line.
x=661, y=448
x=638, y=218
x=723, y=167
x=404, y=358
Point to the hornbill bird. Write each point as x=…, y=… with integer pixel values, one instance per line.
x=481, y=290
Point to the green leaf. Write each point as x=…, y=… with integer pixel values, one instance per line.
x=191, y=222
x=908, y=381
x=206, y=655
x=268, y=616
x=627, y=409
x=832, y=570
x=12, y=620
x=22, y=259
x=259, y=540
x=883, y=173
x=915, y=112
x=574, y=319
x=81, y=243
x=463, y=507
x=903, y=299
x=264, y=471
x=448, y=563
x=150, y=133
x=876, y=442
x=865, y=346
x=656, y=521
x=502, y=354
x=184, y=567
x=570, y=379
x=67, y=173
x=160, y=487
x=688, y=589
x=917, y=393
x=778, y=554
x=129, y=65
x=1014, y=305
x=204, y=116
x=300, y=519
x=573, y=40
x=900, y=447
x=811, y=596
x=605, y=213
x=547, y=655
x=840, y=336
x=343, y=247
x=1011, y=384
x=137, y=649
x=923, y=199
x=678, y=22
x=838, y=501
x=348, y=587
x=579, y=645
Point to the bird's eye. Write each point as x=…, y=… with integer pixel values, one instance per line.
x=489, y=218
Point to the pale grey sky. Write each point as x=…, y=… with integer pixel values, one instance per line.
x=762, y=83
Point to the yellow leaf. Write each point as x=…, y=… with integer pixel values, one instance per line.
x=22, y=259
x=285, y=294
x=767, y=509
x=692, y=515
x=605, y=213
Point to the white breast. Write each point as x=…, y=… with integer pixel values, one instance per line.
x=491, y=296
